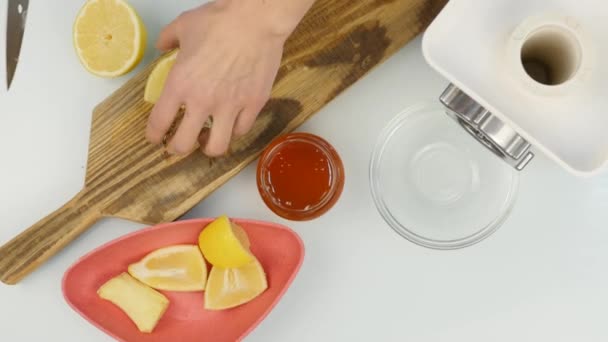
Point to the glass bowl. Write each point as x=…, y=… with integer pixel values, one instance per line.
x=437, y=186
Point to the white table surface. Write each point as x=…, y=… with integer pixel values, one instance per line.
x=541, y=277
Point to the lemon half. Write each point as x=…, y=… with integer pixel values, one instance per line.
x=109, y=37
x=158, y=77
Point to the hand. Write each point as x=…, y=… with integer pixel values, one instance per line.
x=227, y=62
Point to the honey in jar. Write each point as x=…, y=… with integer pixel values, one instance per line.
x=300, y=176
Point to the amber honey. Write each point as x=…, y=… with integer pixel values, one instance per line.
x=300, y=176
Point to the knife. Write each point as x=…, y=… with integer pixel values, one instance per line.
x=15, y=26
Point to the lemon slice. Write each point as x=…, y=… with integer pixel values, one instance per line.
x=225, y=244
x=172, y=268
x=231, y=287
x=158, y=76
x=143, y=305
x=109, y=37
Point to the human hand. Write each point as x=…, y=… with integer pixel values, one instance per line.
x=227, y=62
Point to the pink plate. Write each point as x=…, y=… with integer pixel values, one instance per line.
x=279, y=250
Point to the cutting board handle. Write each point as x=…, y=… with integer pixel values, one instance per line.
x=28, y=250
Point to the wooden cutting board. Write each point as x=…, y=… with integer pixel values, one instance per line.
x=337, y=43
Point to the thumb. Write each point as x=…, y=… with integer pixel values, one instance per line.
x=168, y=39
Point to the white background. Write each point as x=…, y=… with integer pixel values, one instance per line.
x=541, y=277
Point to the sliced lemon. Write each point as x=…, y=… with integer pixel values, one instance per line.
x=158, y=76
x=109, y=37
x=225, y=244
x=231, y=287
x=241, y=235
x=172, y=268
x=143, y=305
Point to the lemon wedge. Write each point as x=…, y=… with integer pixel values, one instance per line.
x=109, y=37
x=225, y=244
x=172, y=268
x=143, y=305
x=231, y=287
x=158, y=76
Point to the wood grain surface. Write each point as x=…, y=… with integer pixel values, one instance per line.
x=337, y=43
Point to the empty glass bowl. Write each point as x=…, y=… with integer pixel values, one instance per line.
x=437, y=186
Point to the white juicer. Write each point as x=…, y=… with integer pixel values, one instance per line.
x=527, y=76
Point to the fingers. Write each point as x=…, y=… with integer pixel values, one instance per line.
x=167, y=39
x=203, y=138
x=189, y=130
x=164, y=112
x=219, y=137
x=247, y=116
x=213, y=142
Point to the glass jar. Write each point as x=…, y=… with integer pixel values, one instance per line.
x=300, y=176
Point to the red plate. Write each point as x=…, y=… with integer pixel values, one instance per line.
x=279, y=250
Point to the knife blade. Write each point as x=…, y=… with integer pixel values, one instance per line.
x=15, y=26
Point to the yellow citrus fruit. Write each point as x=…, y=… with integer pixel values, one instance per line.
x=231, y=287
x=109, y=37
x=158, y=76
x=143, y=305
x=172, y=268
x=225, y=244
